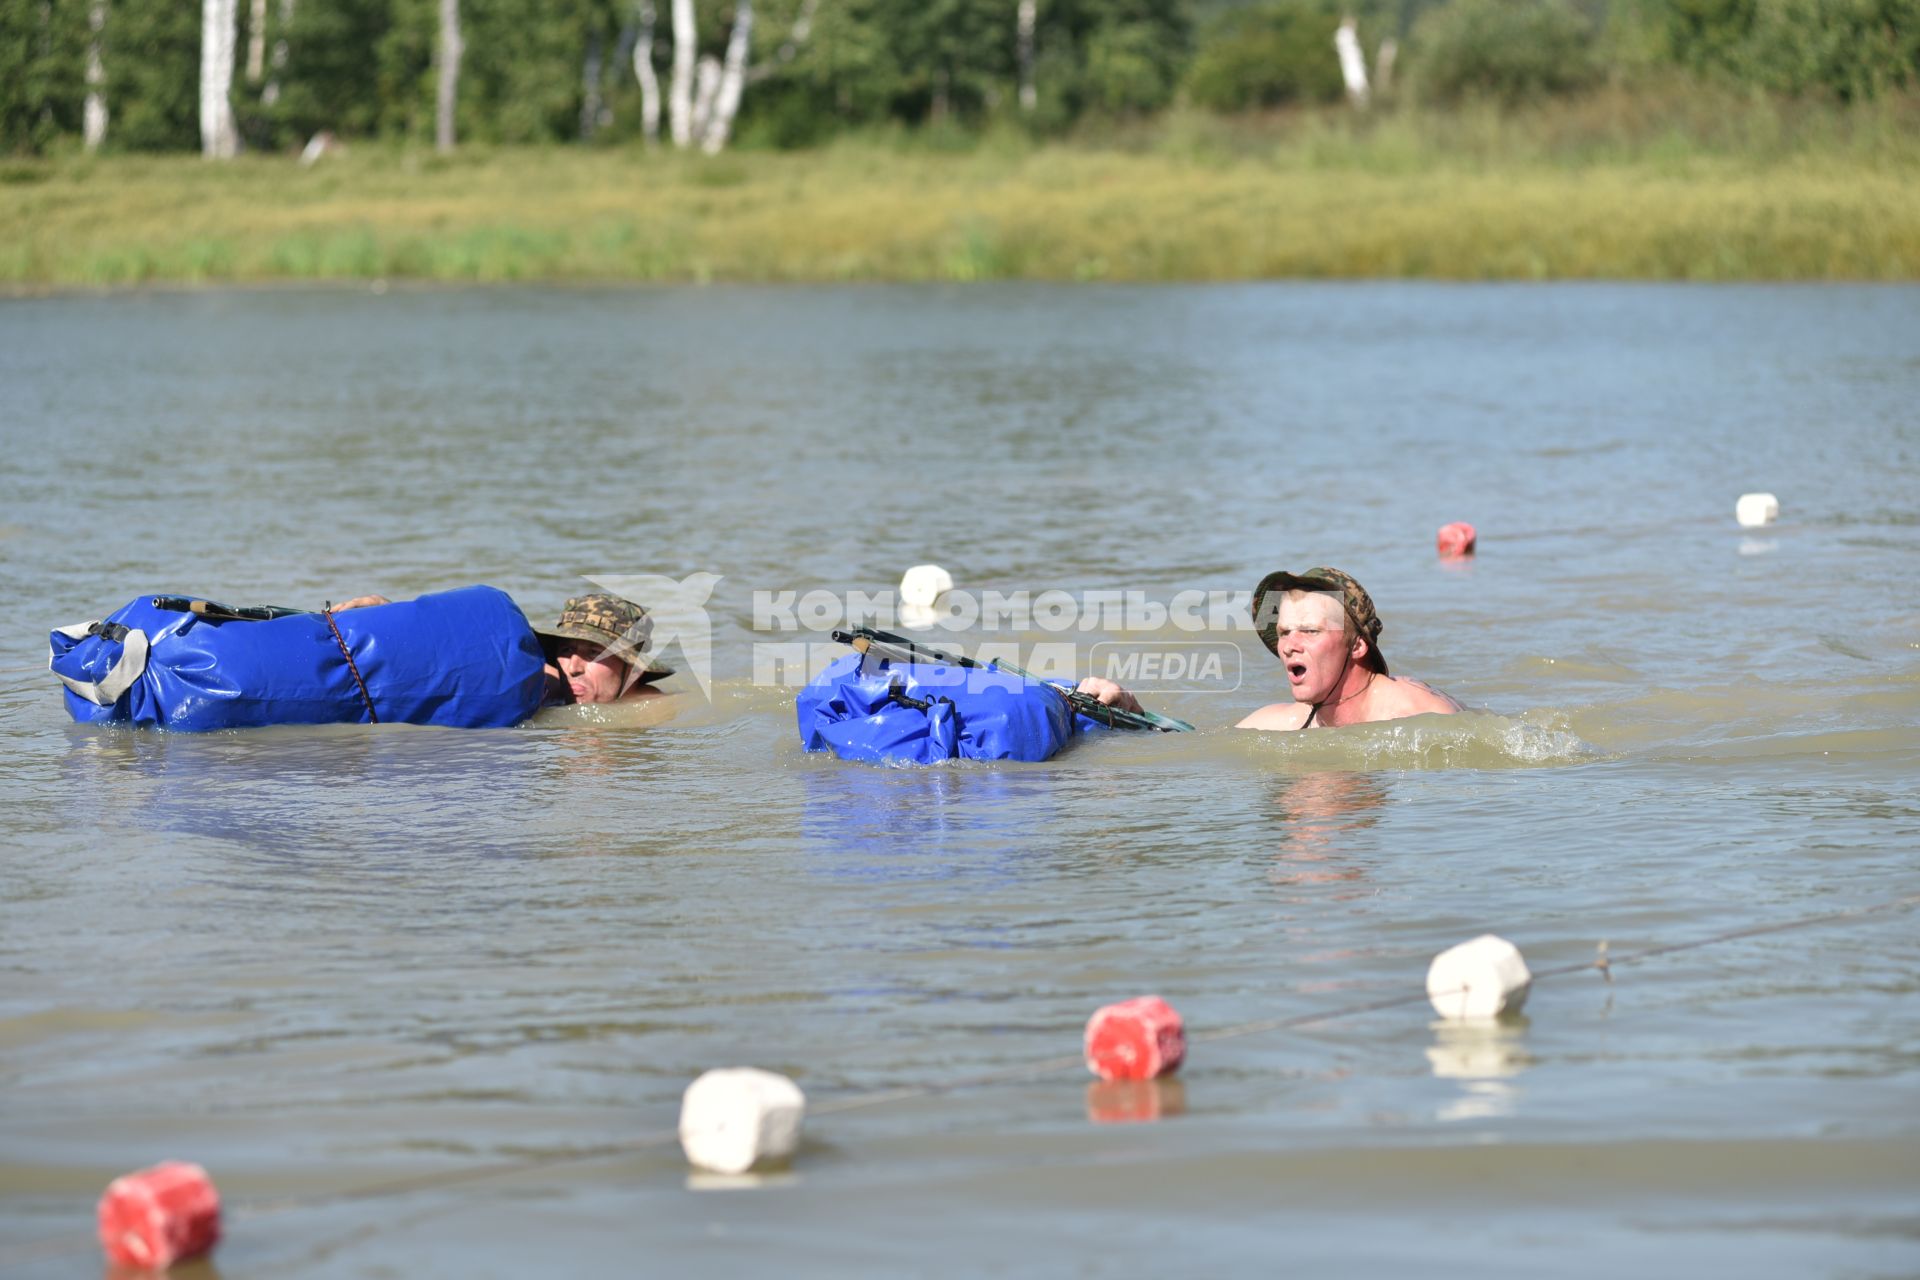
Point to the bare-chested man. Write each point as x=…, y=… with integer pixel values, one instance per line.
x=1322, y=626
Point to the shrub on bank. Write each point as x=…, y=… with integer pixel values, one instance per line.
x=1506, y=51
x=1266, y=56
x=1851, y=50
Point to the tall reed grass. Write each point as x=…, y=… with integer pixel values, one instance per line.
x=1681, y=185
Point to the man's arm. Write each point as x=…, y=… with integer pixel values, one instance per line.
x=1110, y=694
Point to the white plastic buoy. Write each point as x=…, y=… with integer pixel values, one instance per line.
x=1756, y=509
x=1477, y=980
x=737, y=1117
x=922, y=586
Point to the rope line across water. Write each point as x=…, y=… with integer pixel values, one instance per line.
x=1602, y=963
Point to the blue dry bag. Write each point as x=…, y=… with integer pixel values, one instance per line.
x=886, y=712
x=463, y=658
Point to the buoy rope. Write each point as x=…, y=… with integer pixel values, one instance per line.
x=326, y=612
x=1603, y=963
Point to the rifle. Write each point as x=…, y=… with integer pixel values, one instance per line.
x=898, y=648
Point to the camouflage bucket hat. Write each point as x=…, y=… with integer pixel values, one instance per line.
x=1353, y=598
x=621, y=627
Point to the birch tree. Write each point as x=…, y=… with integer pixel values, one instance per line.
x=1353, y=65
x=93, y=117
x=257, y=41
x=643, y=72
x=447, y=95
x=719, y=86
x=1024, y=20
x=680, y=92
x=278, y=61
x=731, y=81
x=1383, y=61
x=593, y=109
x=219, y=21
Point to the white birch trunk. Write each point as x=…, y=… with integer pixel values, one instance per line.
x=649, y=80
x=94, y=116
x=257, y=41
x=278, y=61
x=733, y=80
x=1353, y=67
x=706, y=85
x=219, y=22
x=1383, y=66
x=591, y=104
x=448, y=96
x=680, y=92
x=1027, y=13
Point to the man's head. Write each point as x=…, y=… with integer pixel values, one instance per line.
x=599, y=643
x=1313, y=619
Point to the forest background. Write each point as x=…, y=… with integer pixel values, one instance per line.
x=957, y=139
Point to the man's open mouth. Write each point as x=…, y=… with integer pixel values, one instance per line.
x=1297, y=670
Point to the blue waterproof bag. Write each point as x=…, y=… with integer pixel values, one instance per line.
x=463, y=658
x=885, y=712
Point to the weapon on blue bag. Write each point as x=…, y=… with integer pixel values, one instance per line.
x=213, y=612
x=898, y=648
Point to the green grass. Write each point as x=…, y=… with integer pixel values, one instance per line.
x=1616, y=185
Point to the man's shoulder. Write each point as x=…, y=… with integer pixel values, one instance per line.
x=1277, y=715
x=1414, y=698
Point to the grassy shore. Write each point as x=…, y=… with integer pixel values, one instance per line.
x=1616, y=186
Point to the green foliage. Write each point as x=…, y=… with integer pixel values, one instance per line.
x=152, y=60
x=1505, y=51
x=520, y=80
x=1851, y=50
x=1269, y=55
x=404, y=67
x=330, y=81
x=948, y=71
x=42, y=62
x=1114, y=57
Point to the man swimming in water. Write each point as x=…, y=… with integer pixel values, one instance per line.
x=1322, y=625
x=596, y=650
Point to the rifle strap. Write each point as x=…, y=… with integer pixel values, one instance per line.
x=326, y=612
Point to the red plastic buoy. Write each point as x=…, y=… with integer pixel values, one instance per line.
x=1137, y=1039
x=159, y=1216
x=1455, y=541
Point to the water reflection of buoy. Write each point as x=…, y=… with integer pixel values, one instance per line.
x=918, y=617
x=1478, y=1050
x=1477, y=980
x=1483, y=1057
x=1456, y=541
x=159, y=1216
x=1754, y=510
x=736, y=1118
x=1135, y=1101
x=753, y=1180
x=1137, y=1039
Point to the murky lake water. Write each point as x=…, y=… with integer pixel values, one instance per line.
x=320, y=961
